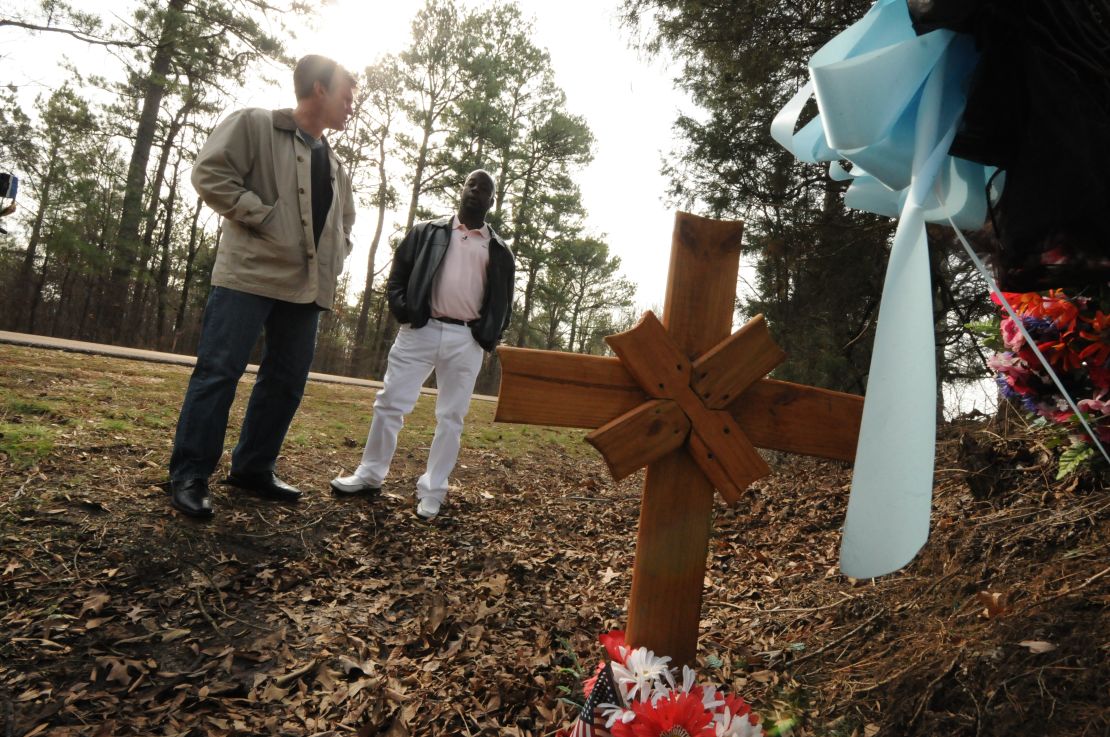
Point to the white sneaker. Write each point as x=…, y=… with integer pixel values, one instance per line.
x=428, y=507
x=351, y=485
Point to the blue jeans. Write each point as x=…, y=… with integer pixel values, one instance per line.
x=232, y=323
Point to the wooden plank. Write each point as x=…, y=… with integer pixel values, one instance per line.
x=640, y=436
x=705, y=260
x=673, y=537
x=800, y=419
x=724, y=454
x=730, y=367
x=572, y=368
x=649, y=354
x=714, y=471
x=773, y=414
x=672, y=543
x=563, y=389
x=545, y=402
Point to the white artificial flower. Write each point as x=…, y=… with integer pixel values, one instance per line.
x=689, y=677
x=613, y=713
x=642, y=673
x=727, y=725
x=710, y=698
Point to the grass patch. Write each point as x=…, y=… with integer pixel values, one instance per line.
x=18, y=406
x=26, y=445
x=519, y=440
x=98, y=395
x=109, y=425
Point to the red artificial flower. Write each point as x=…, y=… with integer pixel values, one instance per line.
x=1061, y=310
x=674, y=715
x=614, y=644
x=1098, y=352
x=1060, y=355
x=738, y=707
x=1027, y=304
x=1056, y=306
x=1100, y=377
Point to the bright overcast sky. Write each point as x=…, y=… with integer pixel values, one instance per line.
x=628, y=101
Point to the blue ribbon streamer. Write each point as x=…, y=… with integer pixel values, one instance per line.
x=889, y=102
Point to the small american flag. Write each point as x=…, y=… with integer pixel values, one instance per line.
x=604, y=691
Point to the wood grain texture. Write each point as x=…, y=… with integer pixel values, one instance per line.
x=550, y=388
x=556, y=389
x=726, y=370
x=723, y=453
x=800, y=419
x=563, y=389
x=672, y=543
x=640, y=436
x=673, y=537
x=652, y=358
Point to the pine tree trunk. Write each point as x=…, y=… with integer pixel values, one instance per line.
x=418, y=174
x=127, y=239
x=361, y=350
x=526, y=308
x=163, y=282
x=187, y=279
x=136, y=316
x=36, y=294
x=27, y=272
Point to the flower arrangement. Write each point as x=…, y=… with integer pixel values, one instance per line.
x=638, y=695
x=1073, y=334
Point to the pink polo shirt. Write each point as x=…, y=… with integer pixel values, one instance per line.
x=460, y=282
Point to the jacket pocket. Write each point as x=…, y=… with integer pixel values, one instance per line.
x=268, y=227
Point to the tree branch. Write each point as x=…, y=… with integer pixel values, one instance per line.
x=79, y=35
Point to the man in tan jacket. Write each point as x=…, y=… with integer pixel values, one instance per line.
x=287, y=212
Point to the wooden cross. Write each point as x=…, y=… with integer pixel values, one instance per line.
x=687, y=400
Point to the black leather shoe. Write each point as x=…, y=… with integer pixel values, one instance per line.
x=265, y=485
x=191, y=497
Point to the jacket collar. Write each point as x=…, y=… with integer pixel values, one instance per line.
x=283, y=119
x=445, y=222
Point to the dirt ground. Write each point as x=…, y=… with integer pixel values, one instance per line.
x=335, y=617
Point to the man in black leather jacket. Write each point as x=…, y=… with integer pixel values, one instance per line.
x=451, y=288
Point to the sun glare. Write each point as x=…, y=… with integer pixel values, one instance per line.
x=358, y=32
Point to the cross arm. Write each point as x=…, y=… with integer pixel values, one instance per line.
x=573, y=390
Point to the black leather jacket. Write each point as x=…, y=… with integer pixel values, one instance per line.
x=414, y=268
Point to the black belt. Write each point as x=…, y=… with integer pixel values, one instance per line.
x=455, y=321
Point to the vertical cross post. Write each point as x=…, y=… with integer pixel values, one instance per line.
x=676, y=508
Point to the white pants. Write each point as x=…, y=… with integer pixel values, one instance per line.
x=456, y=358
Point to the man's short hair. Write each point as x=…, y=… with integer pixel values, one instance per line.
x=315, y=68
x=487, y=173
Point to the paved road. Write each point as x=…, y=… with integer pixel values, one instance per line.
x=138, y=354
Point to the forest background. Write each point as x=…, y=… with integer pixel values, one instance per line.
x=111, y=244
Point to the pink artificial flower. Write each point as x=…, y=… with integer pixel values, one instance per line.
x=1011, y=334
x=1015, y=371
x=1094, y=406
x=589, y=683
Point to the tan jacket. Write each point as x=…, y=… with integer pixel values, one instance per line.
x=256, y=172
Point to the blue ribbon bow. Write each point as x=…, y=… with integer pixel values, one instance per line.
x=890, y=102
